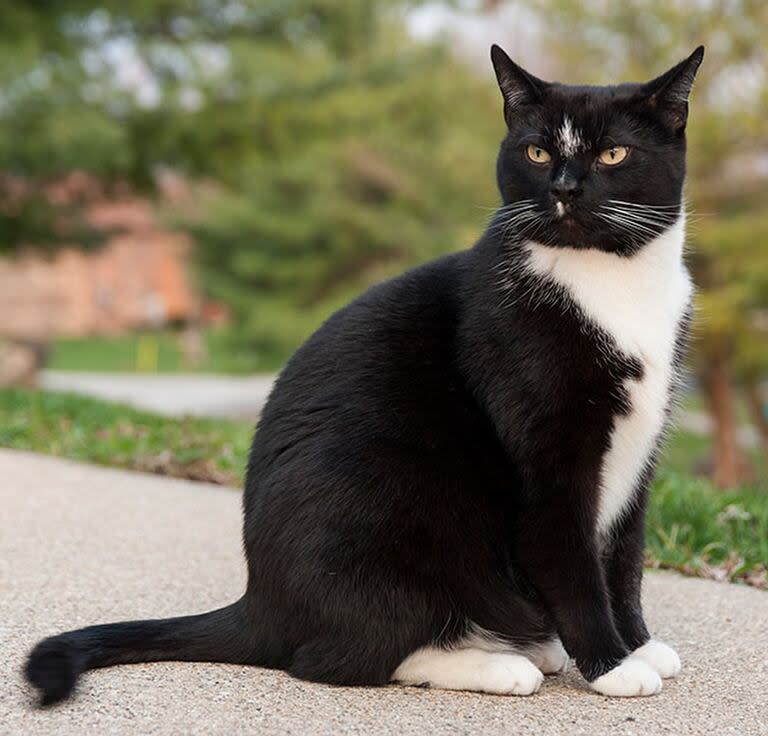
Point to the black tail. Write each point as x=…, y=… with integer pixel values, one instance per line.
x=218, y=636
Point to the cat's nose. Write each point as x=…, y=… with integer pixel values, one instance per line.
x=566, y=186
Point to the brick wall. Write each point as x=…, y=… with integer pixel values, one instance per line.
x=138, y=278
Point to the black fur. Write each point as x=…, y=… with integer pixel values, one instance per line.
x=648, y=118
x=428, y=461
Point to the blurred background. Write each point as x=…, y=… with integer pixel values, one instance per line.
x=189, y=187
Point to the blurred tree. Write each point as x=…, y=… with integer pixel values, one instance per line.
x=336, y=150
x=728, y=184
x=339, y=149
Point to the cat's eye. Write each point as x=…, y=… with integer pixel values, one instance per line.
x=538, y=155
x=613, y=155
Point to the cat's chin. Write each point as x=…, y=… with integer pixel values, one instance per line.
x=570, y=231
x=568, y=240
x=578, y=237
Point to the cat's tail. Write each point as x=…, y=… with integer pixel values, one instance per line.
x=55, y=663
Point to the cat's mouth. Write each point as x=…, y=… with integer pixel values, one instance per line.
x=575, y=226
x=565, y=214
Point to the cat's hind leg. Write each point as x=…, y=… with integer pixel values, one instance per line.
x=501, y=673
x=342, y=661
x=549, y=656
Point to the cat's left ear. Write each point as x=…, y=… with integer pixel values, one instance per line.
x=668, y=94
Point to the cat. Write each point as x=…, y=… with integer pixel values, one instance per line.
x=449, y=480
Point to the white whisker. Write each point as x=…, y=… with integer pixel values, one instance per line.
x=627, y=223
x=667, y=219
x=646, y=206
x=629, y=226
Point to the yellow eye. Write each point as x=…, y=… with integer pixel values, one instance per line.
x=538, y=155
x=613, y=155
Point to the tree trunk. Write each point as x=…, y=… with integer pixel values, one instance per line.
x=727, y=457
x=757, y=410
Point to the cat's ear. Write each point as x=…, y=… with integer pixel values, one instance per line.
x=517, y=86
x=668, y=94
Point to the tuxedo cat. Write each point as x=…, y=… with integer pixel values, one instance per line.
x=449, y=480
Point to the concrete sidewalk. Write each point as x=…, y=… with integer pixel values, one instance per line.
x=83, y=545
x=171, y=394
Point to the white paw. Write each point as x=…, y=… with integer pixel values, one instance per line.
x=660, y=657
x=633, y=677
x=550, y=657
x=473, y=669
x=510, y=674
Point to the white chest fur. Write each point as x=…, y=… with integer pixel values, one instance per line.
x=639, y=302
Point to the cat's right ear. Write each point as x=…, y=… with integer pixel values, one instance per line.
x=517, y=86
x=668, y=94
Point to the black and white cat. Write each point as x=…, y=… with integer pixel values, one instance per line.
x=448, y=483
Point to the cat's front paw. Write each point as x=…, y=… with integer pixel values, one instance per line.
x=632, y=678
x=660, y=656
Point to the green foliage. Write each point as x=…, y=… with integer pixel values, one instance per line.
x=735, y=269
x=328, y=150
x=340, y=150
x=335, y=188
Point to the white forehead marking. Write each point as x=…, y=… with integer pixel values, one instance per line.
x=569, y=139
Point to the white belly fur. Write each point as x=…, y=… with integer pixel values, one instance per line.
x=639, y=302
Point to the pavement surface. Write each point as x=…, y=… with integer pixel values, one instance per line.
x=171, y=394
x=82, y=545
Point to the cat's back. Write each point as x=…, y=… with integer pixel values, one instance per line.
x=383, y=366
x=401, y=324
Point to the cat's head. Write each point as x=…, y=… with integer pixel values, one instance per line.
x=593, y=167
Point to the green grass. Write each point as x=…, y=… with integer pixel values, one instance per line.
x=160, y=352
x=95, y=431
x=699, y=530
x=151, y=351
x=692, y=527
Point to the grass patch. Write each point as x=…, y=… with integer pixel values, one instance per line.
x=96, y=431
x=692, y=527
x=160, y=352
x=697, y=529
x=136, y=352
